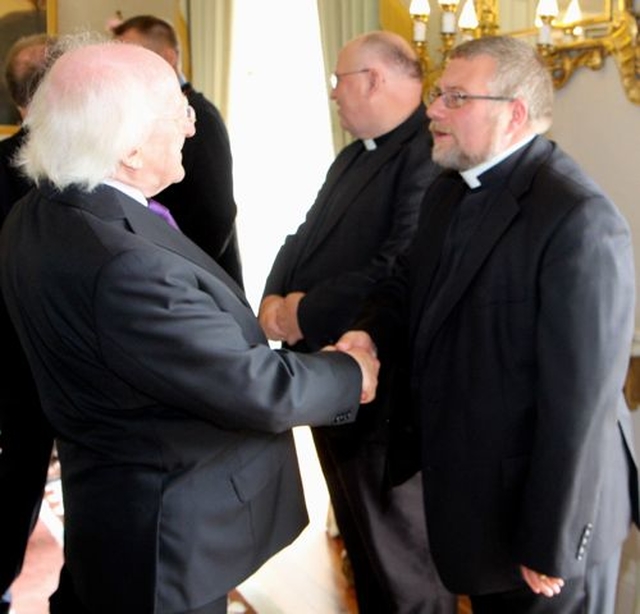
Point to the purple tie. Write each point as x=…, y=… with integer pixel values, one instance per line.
x=163, y=212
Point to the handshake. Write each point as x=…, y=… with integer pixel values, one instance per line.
x=361, y=348
x=278, y=316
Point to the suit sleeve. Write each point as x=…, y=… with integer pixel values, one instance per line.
x=188, y=347
x=583, y=339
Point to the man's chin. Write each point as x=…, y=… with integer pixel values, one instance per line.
x=446, y=158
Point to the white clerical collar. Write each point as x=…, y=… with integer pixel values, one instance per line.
x=369, y=144
x=471, y=175
x=129, y=190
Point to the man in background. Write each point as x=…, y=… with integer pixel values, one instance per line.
x=17, y=24
x=203, y=202
x=364, y=215
x=25, y=436
x=516, y=304
x=172, y=414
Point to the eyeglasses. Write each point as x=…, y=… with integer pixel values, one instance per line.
x=190, y=114
x=455, y=100
x=334, y=79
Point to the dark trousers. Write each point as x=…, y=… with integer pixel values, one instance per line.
x=383, y=530
x=593, y=593
x=65, y=601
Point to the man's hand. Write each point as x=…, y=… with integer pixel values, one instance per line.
x=369, y=365
x=287, y=317
x=357, y=339
x=359, y=346
x=268, y=317
x=278, y=316
x=539, y=583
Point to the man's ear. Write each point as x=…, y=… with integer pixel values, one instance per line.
x=519, y=113
x=375, y=79
x=133, y=160
x=171, y=56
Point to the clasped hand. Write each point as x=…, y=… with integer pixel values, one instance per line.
x=278, y=316
x=360, y=346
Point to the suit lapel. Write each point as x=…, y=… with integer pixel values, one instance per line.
x=111, y=205
x=502, y=209
x=497, y=219
x=353, y=184
x=440, y=203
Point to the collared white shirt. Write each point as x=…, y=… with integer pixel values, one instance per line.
x=471, y=175
x=129, y=190
x=369, y=144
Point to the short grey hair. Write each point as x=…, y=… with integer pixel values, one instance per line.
x=520, y=73
x=394, y=51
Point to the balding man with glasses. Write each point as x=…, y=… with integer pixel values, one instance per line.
x=364, y=215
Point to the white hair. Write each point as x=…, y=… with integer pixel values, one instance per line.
x=96, y=104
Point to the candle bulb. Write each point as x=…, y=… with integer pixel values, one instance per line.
x=448, y=23
x=419, y=31
x=573, y=15
x=544, y=34
x=420, y=8
x=547, y=10
x=468, y=21
x=420, y=11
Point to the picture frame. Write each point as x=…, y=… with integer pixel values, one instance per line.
x=20, y=18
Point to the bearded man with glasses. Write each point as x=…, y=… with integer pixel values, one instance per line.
x=513, y=311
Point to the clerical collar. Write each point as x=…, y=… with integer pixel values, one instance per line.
x=369, y=144
x=129, y=190
x=471, y=175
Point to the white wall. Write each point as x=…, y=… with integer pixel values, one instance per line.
x=600, y=128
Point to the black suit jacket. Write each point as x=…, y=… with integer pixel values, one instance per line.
x=25, y=435
x=203, y=202
x=363, y=217
x=516, y=372
x=172, y=413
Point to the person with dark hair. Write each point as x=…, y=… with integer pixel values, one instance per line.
x=513, y=314
x=25, y=437
x=203, y=203
x=364, y=216
x=14, y=25
x=172, y=414
x=24, y=65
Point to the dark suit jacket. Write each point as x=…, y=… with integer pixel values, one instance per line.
x=364, y=215
x=517, y=369
x=337, y=255
x=203, y=202
x=25, y=436
x=171, y=411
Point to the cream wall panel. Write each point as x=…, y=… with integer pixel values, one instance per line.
x=600, y=128
x=75, y=15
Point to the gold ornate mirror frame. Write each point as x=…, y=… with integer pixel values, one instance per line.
x=567, y=40
x=21, y=18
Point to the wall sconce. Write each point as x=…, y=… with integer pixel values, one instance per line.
x=566, y=44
